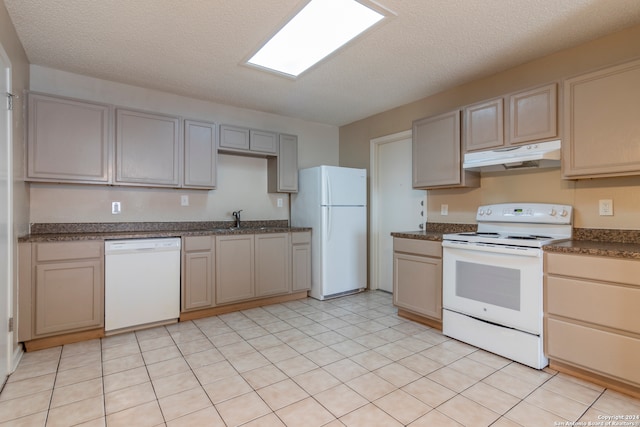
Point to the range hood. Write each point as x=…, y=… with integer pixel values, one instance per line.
x=540, y=155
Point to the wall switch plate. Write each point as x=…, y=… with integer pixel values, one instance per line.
x=279, y=202
x=184, y=200
x=444, y=210
x=605, y=207
x=116, y=208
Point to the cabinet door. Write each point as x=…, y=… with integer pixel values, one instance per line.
x=484, y=125
x=533, y=115
x=68, y=141
x=272, y=271
x=198, y=280
x=436, y=153
x=200, y=155
x=262, y=141
x=234, y=268
x=234, y=137
x=147, y=149
x=68, y=297
x=601, y=126
x=283, y=170
x=301, y=269
x=417, y=284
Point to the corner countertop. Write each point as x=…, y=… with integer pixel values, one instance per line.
x=148, y=230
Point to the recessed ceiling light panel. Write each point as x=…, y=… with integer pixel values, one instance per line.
x=319, y=29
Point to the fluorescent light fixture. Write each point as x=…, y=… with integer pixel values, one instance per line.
x=319, y=29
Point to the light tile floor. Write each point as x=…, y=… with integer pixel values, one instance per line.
x=345, y=362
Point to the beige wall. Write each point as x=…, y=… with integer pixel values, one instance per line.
x=533, y=186
x=242, y=181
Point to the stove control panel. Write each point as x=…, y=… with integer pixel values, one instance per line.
x=526, y=212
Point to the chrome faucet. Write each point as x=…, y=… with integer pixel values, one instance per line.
x=236, y=215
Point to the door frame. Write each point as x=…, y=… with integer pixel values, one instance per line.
x=374, y=249
x=7, y=311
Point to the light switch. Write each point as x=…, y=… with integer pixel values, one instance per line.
x=184, y=200
x=279, y=202
x=116, y=208
x=444, y=210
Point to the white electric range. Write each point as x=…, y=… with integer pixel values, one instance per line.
x=493, y=278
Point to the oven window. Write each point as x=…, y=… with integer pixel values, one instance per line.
x=499, y=286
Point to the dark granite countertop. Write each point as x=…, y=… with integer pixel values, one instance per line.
x=434, y=231
x=419, y=235
x=598, y=248
x=587, y=241
x=147, y=230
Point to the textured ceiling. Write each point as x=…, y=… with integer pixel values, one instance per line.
x=197, y=47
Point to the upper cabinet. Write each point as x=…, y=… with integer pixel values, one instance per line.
x=437, y=160
x=148, y=149
x=249, y=141
x=74, y=141
x=200, y=155
x=282, y=171
x=484, y=125
x=530, y=116
x=601, y=123
x=533, y=115
x=68, y=140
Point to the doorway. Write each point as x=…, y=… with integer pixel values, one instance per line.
x=6, y=208
x=395, y=205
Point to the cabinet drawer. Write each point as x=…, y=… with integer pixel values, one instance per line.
x=198, y=243
x=600, y=303
x=68, y=250
x=594, y=267
x=419, y=247
x=300, y=238
x=593, y=349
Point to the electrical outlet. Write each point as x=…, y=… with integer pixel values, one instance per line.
x=184, y=200
x=605, y=207
x=444, y=210
x=279, y=202
x=116, y=208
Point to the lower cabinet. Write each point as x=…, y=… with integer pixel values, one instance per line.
x=417, y=277
x=198, y=272
x=61, y=288
x=235, y=275
x=301, y=261
x=247, y=266
x=592, y=321
x=272, y=271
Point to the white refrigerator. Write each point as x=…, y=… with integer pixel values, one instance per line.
x=333, y=202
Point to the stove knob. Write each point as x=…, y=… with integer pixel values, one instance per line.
x=552, y=212
x=564, y=212
x=489, y=211
x=480, y=212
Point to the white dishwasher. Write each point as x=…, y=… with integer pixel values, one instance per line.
x=142, y=282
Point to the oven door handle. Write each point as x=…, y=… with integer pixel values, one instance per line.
x=488, y=247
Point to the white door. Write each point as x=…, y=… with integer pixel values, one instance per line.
x=5, y=214
x=395, y=205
